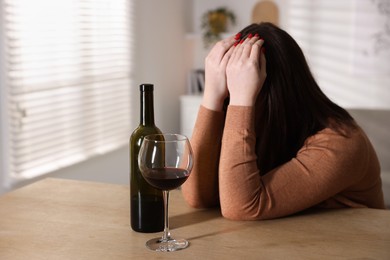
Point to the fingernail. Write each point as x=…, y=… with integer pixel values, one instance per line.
x=250, y=36
x=241, y=41
x=238, y=36
x=256, y=35
x=236, y=43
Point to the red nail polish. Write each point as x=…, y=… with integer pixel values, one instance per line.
x=238, y=36
x=256, y=35
x=242, y=41
x=250, y=36
x=235, y=44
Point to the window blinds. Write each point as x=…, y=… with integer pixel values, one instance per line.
x=68, y=72
x=340, y=40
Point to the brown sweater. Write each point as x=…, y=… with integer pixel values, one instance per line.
x=330, y=170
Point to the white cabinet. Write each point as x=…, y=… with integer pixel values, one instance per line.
x=189, y=106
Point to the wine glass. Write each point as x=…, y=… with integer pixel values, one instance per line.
x=166, y=161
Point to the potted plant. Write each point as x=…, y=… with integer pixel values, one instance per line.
x=215, y=22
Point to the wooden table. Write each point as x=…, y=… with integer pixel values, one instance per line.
x=65, y=219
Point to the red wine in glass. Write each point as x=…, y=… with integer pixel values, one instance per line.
x=165, y=162
x=166, y=178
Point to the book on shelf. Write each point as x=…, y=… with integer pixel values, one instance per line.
x=196, y=79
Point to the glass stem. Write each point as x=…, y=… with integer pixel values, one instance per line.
x=167, y=234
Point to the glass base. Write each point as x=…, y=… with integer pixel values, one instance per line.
x=166, y=245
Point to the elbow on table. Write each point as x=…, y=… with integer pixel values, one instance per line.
x=249, y=210
x=198, y=202
x=240, y=214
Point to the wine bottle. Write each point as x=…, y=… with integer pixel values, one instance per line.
x=146, y=202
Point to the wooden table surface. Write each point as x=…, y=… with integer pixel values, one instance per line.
x=66, y=219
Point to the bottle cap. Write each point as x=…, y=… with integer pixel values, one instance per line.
x=146, y=87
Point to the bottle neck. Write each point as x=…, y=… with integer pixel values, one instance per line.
x=147, y=108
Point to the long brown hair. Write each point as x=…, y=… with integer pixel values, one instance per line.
x=291, y=106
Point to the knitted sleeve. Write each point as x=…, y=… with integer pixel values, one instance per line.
x=201, y=188
x=327, y=165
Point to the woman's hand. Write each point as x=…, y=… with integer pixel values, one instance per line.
x=246, y=72
x=215, y=74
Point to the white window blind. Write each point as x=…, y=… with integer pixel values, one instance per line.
x=347, y=44
x=67, y=77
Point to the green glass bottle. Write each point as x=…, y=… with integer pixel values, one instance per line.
x=146, y=202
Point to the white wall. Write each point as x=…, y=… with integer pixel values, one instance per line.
x=160, y=56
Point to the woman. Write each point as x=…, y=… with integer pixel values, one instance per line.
x=280, y=146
